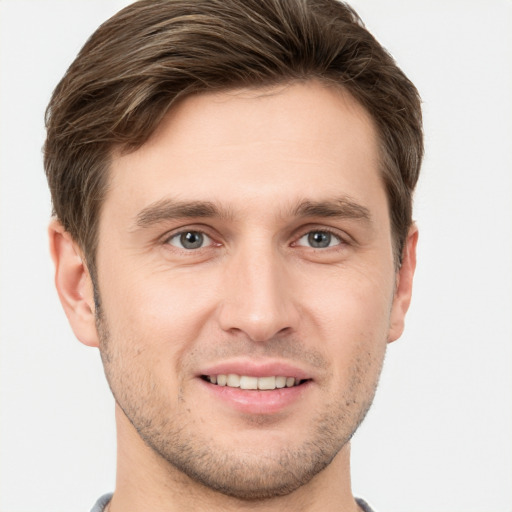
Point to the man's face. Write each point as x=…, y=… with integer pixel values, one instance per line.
x=248, y=241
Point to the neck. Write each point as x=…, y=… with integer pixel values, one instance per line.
x=147, y=482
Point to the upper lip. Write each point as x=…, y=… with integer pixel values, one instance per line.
x=263, y=368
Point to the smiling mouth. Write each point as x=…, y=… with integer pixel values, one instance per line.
x=253, y=383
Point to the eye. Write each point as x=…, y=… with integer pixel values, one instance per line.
x=319, y=239
x=189, y=240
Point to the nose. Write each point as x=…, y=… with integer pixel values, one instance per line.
x=258, y=296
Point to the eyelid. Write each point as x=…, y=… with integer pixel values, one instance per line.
x=207, y=241
x=343, y=238
x=334, y=238
x=202, y=229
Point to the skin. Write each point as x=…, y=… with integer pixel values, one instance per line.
x=259, y=174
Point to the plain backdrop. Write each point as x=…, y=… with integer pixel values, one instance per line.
x=439, y=437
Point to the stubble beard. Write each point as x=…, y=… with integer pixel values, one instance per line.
x=250, y=475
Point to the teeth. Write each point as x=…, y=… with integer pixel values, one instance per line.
x=266, y=383
x=233, y=381
x=280, y=382
x=290, y=381
x=247, y=382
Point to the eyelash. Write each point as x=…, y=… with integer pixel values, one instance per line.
x=176, y=236
x=331, y=233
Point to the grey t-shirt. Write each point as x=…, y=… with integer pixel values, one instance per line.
x=103, y=501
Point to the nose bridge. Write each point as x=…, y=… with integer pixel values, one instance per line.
x=256, y=297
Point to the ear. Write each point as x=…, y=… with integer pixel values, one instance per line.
x=403, y=290
x=73, y=283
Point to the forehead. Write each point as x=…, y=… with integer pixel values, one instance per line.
x=246, y=147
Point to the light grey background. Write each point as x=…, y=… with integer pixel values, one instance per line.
x=439, y=438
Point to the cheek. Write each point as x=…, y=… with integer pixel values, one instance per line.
x=156, y=317
x=157, y=300
x=352, y=305
x=351, y=317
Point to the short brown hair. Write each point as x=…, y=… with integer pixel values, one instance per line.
x=135, y=66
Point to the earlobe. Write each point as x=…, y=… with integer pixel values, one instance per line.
x=73, y=283
x=403, y=292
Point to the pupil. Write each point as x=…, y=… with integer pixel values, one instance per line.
x=191, y=240
x=319, y=239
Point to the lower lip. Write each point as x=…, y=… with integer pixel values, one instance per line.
x=251, y=401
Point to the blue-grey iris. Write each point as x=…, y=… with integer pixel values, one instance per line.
x=191, y=240
x=319, y=239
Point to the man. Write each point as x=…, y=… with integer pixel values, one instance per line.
x=232, y=185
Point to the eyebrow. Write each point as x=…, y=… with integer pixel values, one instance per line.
x=342, y=207
x=169, y=209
